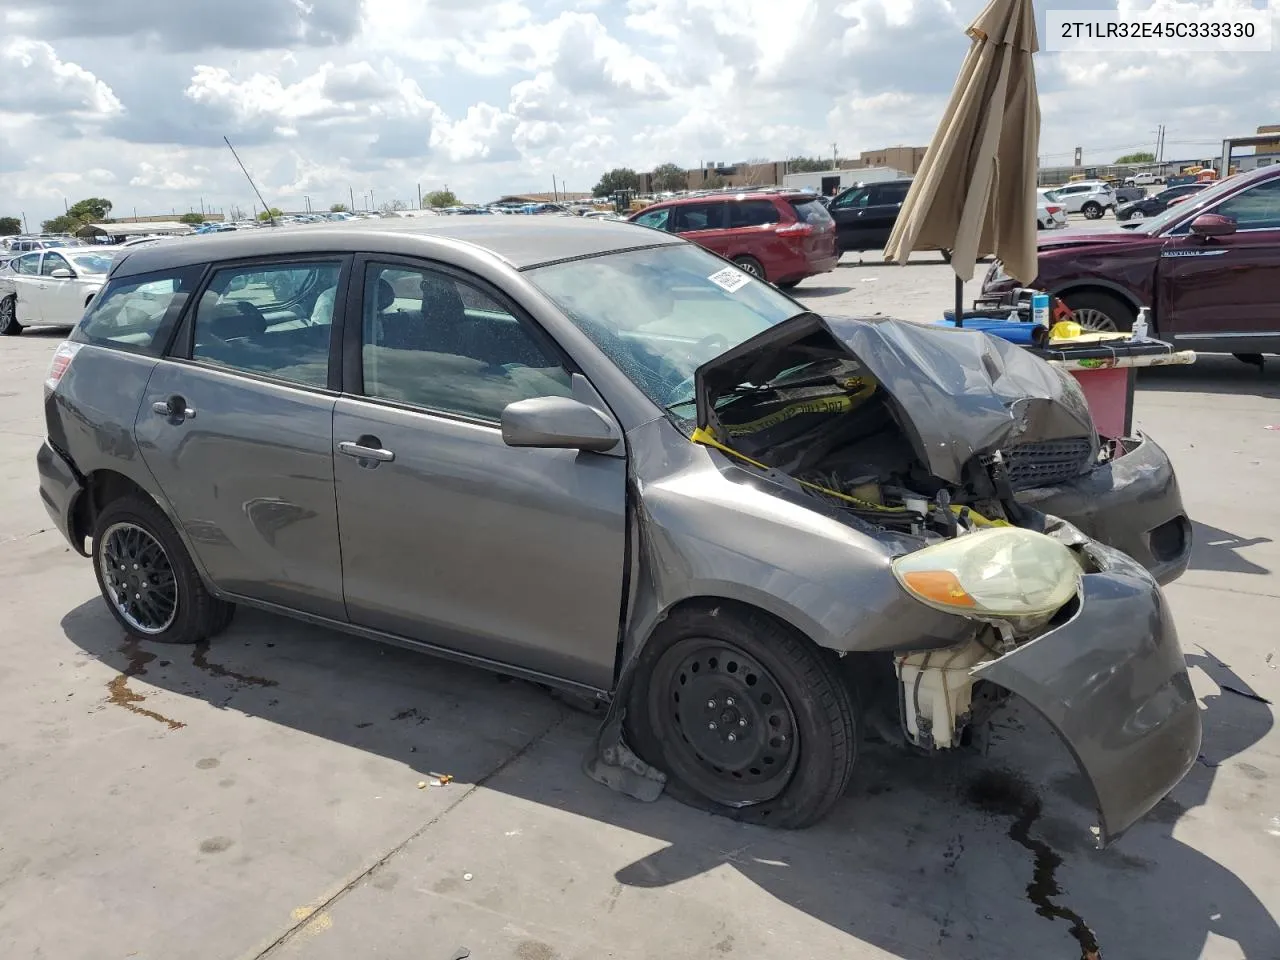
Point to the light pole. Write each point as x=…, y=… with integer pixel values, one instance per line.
x=307, y=200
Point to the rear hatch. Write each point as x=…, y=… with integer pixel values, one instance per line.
x=956, y=394
x=814, y=232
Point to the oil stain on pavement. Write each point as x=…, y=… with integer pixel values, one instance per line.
x=120, y=693
x=1003, y=793
x=200, y=659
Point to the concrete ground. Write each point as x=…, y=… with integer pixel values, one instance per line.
x=260, y=798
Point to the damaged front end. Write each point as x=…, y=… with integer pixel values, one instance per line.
x=924, y=438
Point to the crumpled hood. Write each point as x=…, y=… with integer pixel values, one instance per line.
x=956, y=393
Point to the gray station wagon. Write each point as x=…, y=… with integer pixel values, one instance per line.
x=603, y=459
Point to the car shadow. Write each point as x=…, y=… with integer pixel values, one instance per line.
x=925, y=858
x=1215, y=373
x=1216, y=549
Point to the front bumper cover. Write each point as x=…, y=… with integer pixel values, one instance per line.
x=1113, y=683
x=1131, y=503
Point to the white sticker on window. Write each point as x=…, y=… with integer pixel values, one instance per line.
x=730, y=278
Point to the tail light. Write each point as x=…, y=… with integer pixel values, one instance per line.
x=795, y=230
x=60, y=363
x=1054, y=210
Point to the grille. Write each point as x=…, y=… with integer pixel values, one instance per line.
x=1046, y=462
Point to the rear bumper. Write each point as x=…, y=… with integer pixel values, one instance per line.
x=1113, y=683
x=1132, y=503
x=60, y=486
x=823, y=264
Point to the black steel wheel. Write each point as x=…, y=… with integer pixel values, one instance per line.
x=9, y=325
x=752, y=266
x=747, y=717
x=147, y=578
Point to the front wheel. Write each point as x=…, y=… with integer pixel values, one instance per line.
x=147, y=578
x=788, y=284
x=747, y=718
x=1100, y=312
x=1137, y=215
x=1092, y=211
x=752, y=266
x=9, y=325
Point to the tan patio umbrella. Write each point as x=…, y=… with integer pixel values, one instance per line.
x=975, y=192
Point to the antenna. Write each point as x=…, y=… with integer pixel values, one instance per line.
x=270, y=216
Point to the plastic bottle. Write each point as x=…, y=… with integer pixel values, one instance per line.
x=1142, y=324
x=1040, y=309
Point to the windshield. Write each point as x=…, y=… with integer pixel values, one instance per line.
x=1195, y=202
x=91, y=262
x=661, y=312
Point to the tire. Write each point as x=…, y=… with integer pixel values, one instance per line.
x=132, y=530
x=1100, y=311
x=752, y=266
x=9, y=326
x=785, y=683
x=1136, y=215
x=1092, y=210
x=788, y=284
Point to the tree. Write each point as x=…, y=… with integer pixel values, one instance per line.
x=807, y=164
x=10, y=226
x=669, y=177
x=620, y=178
x=63, y=224
x=194, y=219
x=268, y=214
x=714, y=182
x=441, y=198
x=337, y=208
x=1142, y=156
x=91, y=210
x=391, y=206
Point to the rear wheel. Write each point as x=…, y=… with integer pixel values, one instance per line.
x=1100, y=312
x=9, y=325
x=747, y=717
x=751, y=265
x=1092, y=210
x=1136, y=215
x=147, y=578
x=789, y=284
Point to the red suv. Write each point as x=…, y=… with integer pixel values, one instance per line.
x=1209, y=268
x=778, y=236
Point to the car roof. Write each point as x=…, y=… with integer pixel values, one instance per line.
x=521, y=242
x=727, y=196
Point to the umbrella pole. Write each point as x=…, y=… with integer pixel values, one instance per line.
x=959, y=302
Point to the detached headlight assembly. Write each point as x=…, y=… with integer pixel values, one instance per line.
x=1005, y=573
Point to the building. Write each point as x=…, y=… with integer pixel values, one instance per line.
x=830, y=182
x=906, y=159
x=560, y=197
x=168, y=218
x=773, y=173
x=1273, y=146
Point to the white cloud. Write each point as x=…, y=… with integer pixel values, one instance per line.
x=34, y=81
x=155, y=177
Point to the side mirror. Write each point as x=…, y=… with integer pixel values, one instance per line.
x=557, y=423
x=1213, y=225
x=62, y=273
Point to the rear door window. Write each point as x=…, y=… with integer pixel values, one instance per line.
x=135, y=313
x=273, y=320
x=752, y=213
x=699, y=216
x=27, y=264
x=890, y=193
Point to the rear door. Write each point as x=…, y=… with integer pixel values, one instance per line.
x=449, y=536
x=750, y=230
x=882, y=212
x=1226, y=288
x=237, y=428
x=26, y=282
x=706, y=224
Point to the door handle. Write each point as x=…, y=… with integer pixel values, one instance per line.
x=369, y=449
x=175, y=408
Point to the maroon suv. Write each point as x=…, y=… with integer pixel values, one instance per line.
x=1209, y=267
x=779, y=236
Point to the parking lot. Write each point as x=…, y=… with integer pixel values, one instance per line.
x=273, y=795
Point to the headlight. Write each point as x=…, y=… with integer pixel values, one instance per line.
x=1002, y=573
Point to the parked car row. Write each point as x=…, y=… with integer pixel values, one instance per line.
x=1208, y=267
x=1157, y=202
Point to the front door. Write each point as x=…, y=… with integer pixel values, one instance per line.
x=26, y=283
x=61, y=298
x=449, y=536
x=882, y=212
x=1226, y=289
x=236, y=427
x=849, y=212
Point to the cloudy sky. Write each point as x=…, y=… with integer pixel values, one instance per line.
x=129, y=99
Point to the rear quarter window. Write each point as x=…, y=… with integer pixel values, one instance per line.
x=135, y=313
x=811, y=212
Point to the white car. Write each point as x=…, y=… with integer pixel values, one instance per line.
x=1093, y=198
x=50, y=286
x=1050, y=214
x=1143, y=180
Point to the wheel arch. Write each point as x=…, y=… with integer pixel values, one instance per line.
x=1096, y=285
x=101, y=487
